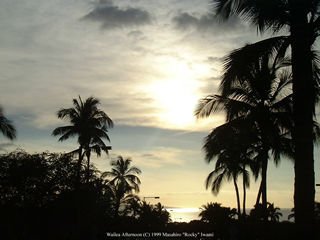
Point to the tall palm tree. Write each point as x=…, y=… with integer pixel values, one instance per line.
x=6, y=126
x=124, y=178
x=260, y=99
x=90, y=124
x=301, y=18
x=228, y=166
x=96, y=146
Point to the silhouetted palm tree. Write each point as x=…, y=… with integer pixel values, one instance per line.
x=89, y=123
x=261, y=99
x=162, y=215
x=124, y=179
x=274, y=213
x=227, y=145
x=259, y=212
x=6, y=126
x=132, y=205
x=153, y=217
x=301, y=18
x=215, y=213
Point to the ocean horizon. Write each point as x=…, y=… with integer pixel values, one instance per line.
x=189, y=214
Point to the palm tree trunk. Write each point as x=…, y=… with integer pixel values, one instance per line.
x=88, y=165
x=79, y=168
x=119, y=196
x=259, y=194
x=244, y=196
x=238, y=198
x=264, y=182
x=303, y=107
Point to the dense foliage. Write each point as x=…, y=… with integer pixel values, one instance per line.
x=39, y=199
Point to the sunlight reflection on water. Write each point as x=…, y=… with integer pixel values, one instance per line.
x=189, y=214
x=183, y=214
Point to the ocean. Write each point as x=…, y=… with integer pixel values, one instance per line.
x=189, y=214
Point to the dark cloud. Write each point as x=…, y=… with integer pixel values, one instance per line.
x=112, y=16
x=186, y=21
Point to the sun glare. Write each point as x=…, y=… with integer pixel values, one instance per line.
x=177, y=94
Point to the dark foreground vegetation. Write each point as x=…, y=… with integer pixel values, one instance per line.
x=41, y=199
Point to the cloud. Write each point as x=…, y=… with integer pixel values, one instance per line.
x=6, y=146
x=136, y=35
x=215, y=60
x=111, y=16
x=158, y=157
x=186, y=21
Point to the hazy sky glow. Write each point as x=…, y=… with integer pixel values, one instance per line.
x=149, y=62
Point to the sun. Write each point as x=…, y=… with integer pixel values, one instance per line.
x=177, y=93
x=177, y=99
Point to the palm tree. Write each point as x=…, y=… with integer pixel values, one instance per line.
x=215, y=213
x=226, y=144
x=162, y=215
x=123, y=178
x=259, y=212
x=132, y=205
x=90, y=124
x=261, y=99
x=96, y=146
x=301, y=18
x=153, y=217
x=274, y=213
x=6, y=126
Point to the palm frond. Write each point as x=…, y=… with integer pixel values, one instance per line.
x=211, y=175
x=236, y=70
x=68, y=114
x=264, y=15
x=6, y=126
x=217, y=183
x=134, y=170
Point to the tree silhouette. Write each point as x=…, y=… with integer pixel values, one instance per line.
x=153, y=217
x=274, y=213
x=230, y=162
x=90, y=124
x=123, y=179
x=162, y=215
x=6, y=126
x=301, y=18
x=316, y=211
x=230, y=144
x=215, y=213
x=259, y=212
x=259, y=98
x=132, y=205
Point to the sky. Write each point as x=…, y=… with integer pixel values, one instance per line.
x=148, y=62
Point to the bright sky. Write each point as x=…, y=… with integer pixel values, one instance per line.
x=149, y=62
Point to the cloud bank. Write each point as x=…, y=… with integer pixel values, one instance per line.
x=111, y=16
